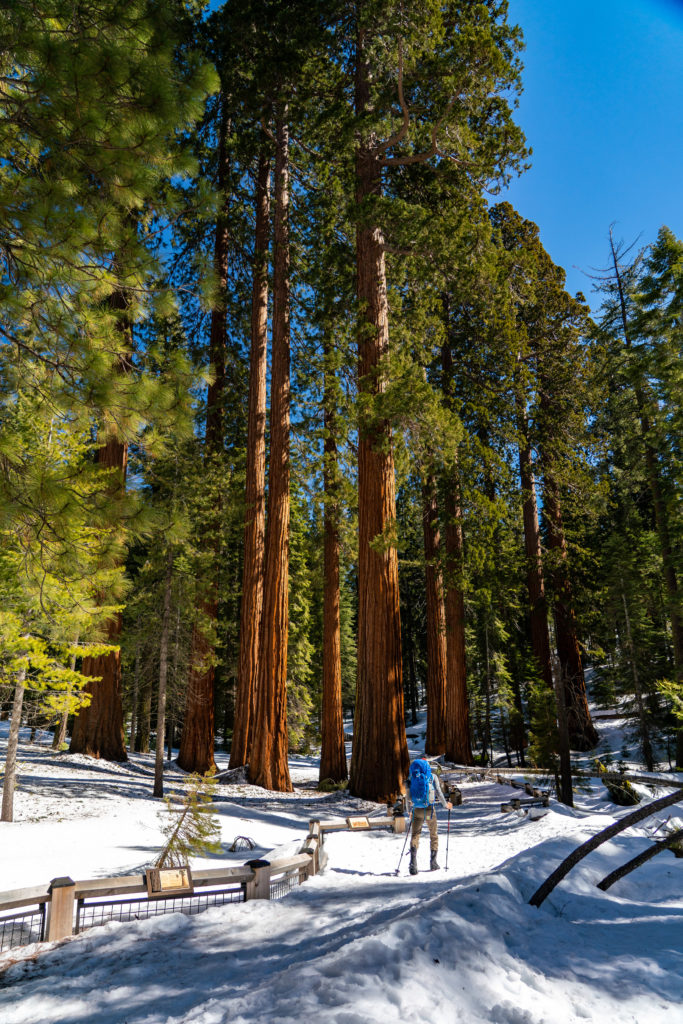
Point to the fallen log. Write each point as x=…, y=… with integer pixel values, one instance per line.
x=642, y=858
x=582, y=851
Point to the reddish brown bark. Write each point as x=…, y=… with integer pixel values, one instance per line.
x=333, y=753
x=582, y=732
x=538, y=611
x=435, y=740
x=458, y=744
x=98, y=729
x=380, y=753
x=255, y=498
x=196, y=753
x=268, y=766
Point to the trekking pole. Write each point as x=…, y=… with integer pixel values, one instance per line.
x=408, y=831
x=448, y=836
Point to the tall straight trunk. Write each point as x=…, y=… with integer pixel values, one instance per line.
x=538, y=611
x=98, y=728
x=380, y=760
x=333, y=752
x=255, y=497
x=196, y=752
x=458, y=744
x=580, y=728
x=658, y=503
x=144, y=726
x=163, y=678
x=268, y=766
x=435, y=740
x=643, y=720
x=60, y=728
x=136, y=691
x=10, y=775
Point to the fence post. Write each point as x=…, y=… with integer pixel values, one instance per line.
x=60, y=920
x=259, y=887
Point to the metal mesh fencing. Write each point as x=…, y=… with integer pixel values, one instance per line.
x=91, y=914
x=281, y=886
x=22, y=929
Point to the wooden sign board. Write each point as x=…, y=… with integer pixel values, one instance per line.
x=354, y=823
x=168, y=881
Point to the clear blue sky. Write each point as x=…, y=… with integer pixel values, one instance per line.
x=602, y=109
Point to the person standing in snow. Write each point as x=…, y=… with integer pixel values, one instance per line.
x=422, y=789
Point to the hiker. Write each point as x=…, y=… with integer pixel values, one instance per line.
x=421, y=789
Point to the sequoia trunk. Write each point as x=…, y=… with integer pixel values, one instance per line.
x=538, y=611
x=435, y=740
x=268, y=766
x=255, y=511
x=333, y=752
x=580, y=728
x=380, y=753
x=196, y=752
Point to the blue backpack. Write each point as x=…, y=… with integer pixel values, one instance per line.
x=421, y=785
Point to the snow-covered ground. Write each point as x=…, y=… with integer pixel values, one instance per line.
x=358, y=943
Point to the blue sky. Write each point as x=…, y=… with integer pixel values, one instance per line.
x=602, y=109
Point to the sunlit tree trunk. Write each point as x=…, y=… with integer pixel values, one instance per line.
x=435, y=740
x=196, y=753
x=9, y=780
x=333, y=752
x=163, y=677
x=268, y=766
x=380, y=753
x=255, y=514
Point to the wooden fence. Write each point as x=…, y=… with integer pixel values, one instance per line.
x=66, y=907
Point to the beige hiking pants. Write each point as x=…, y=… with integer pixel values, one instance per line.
x=420, y=815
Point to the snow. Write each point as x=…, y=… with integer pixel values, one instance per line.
x=358, y=943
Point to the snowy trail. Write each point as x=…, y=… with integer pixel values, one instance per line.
x=356, y=944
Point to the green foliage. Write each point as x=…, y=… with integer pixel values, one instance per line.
x=192, y=829
x=543, y=733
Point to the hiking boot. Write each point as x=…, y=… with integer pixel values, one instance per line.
x=433, y=866
x=413, y=862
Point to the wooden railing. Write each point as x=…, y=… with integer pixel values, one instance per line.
x=60, y=904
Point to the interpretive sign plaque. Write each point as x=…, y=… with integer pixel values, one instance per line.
x=358, y=823
x=168, y=881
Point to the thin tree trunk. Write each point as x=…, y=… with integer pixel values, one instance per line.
x=196, y=752
x=10, y=776
x=380, y=760
x=268, y=765
x=435, y=740
x=255, y=513
x=646, y=742
x=333, y=752
x=163, y=677
x=582, y=732
x=136, y=690
x=60, y=731
x=144, y=725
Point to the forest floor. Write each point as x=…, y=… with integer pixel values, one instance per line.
x=357, y=943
